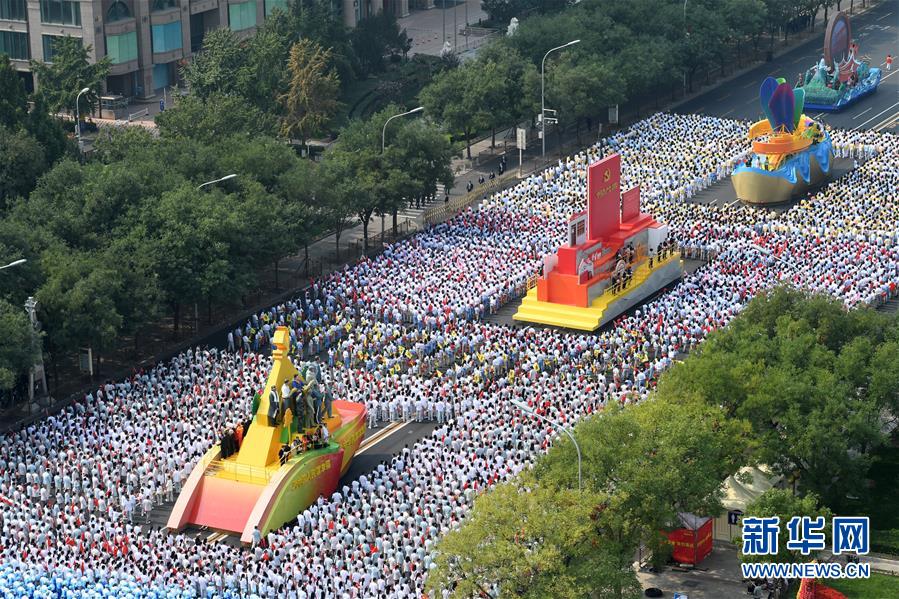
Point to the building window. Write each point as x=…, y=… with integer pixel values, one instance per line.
x=164, y=4
x=119, y=11
x=242, y=16
x=13, y=10
x=62, y=12
x=14, y=44
x=122, y=48
x=49, y=43
x=161, y=76
x=167, y=37
x=271, y=5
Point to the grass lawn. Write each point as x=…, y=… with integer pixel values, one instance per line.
x=879, y=586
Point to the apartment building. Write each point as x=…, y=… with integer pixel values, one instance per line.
x=145, y=40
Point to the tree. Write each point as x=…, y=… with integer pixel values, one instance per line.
x=215, y=118
x=648, y=463
x=422, y=151
x=457, y=98
x=523, y=540
x=78, y=298
x=217, y=67
x=374, y=37
x=13, y=100
x=583, y=89
x=785, y=505
x=22, y=161
x=507, y=99
x=261, y=80
x=48, y=131
x=71, y=71
x=311, y=100
x=330, y=199
x=811, y=380
x=18, y=350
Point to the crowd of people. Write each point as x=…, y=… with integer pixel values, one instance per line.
x=409, y=333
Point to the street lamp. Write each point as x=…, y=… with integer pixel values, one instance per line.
x=384, y=145
x=542, y=88
x=384, y=129
x=526, y=409
x=225, y=178
x=14, y=263
x=78, y=118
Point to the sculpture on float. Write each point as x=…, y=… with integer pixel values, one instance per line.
x=297, y=445
x=790, y=151
x=616, y=257
x=842, y=76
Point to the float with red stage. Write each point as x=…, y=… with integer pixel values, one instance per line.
x=616, y=257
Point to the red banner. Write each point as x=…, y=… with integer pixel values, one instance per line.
x=603, y=197
x=630, y=204
x=691, y=546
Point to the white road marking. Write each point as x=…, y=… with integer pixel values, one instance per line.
x=861, y=113
x=876, y=115
x=372, y=441
x=885, y=16
x=886, y=123
x=728, y=112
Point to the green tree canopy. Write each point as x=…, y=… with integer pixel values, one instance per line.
x=22, y=161
x=525, y=540
x=17, y=352
x=814, y=381
x=71, y=71
x=311, y=100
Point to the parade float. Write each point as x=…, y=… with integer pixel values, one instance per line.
x=790, y=151
x=295, y=449
x=616, y=257
x=842, y=77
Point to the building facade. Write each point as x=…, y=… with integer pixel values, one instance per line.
x=145, y=40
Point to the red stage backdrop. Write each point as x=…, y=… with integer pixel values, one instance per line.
x=603, y=197
x=630, y=204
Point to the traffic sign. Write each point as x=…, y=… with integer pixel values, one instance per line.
x=521, y=138
x=734, y=516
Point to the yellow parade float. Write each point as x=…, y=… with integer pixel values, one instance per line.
x=298, y=444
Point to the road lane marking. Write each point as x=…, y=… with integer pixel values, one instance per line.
x=861, y=113
x=886, y=123
x=372, y=441
x=728, y=112
x=727, y=95
x=876, y=115
x=885, y=16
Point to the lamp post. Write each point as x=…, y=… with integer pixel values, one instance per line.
x=384, y=129
x=78, y=118
x=543, y=87
x=526, y=409
x=384, y=145
x=225, y=178
x=14, y=263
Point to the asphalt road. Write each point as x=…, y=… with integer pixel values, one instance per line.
x=876, y=31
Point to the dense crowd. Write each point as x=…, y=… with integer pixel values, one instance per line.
x=409, y=334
